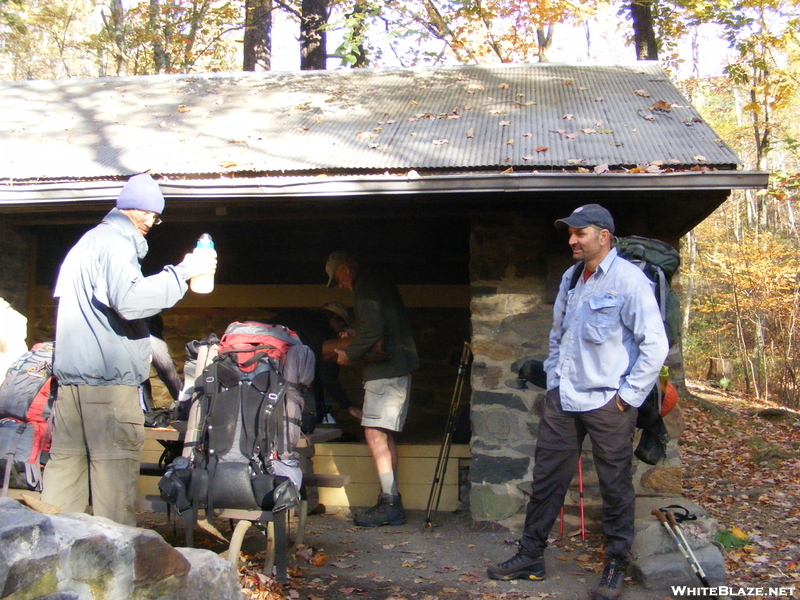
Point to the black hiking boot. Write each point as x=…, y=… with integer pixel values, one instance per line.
x=388, y=511
x=611, y=582
x=519, y=566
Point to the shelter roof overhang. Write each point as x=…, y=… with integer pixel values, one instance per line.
x=59, y=195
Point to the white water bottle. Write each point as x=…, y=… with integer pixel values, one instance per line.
x=203, y=284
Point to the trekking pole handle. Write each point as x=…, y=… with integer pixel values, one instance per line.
x=679, y=530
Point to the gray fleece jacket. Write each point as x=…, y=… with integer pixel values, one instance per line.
x=102, y=336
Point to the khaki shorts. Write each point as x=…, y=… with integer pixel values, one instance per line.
x=386, y=402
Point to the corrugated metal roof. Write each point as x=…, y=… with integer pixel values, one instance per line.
x=474, y=118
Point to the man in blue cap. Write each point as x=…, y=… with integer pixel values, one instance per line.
x=607, y=345
x=104, y=353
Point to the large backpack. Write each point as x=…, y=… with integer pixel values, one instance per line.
x=249, y=401
x=26, y=404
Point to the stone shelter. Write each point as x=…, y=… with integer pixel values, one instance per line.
x=449, y=177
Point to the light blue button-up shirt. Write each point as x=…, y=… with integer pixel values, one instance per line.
x=607, y=337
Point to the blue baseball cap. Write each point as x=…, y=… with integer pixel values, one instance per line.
x=586, y=215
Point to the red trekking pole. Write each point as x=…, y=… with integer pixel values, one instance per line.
x=580, y=494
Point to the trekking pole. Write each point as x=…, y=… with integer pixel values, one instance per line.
x=694, y=562
x=444, y=451
x=580, y=492
x=697, y=571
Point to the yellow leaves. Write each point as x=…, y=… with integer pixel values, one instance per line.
x=183, y=109
x=319, y=559
x=510, y=142
x=227, y=164
x=471, y=132
x=739, y=533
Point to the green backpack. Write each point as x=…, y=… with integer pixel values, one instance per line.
x=658, y=261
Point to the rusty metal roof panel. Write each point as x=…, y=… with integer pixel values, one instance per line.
x=464, y=118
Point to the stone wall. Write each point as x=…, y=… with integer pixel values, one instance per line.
x=512, y=256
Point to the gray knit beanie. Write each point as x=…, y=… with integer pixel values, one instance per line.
x=141, y=192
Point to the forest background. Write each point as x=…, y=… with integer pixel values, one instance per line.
x=737, y=61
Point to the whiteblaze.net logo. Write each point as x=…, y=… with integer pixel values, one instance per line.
x=769, y=592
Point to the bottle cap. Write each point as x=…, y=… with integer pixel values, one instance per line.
x=205, y=241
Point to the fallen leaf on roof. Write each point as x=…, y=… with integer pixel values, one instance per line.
x=601, y=168
x=529, y=134
x=302, y=128
x=510, y=142
x=373, y=145
x=542, y=148
x=568, y=117
x=507, y=171
x=471, y=132
x=673, y=161
x=227, y=164
x=583, y=170
x=661, y=105
x=576, y=161
x=561, y=131
x=648, y=116
x=528, y=157
x=453, y=116
x=642, y=93
x=605, y=131
x=468, y=107
x=502, y=86
x=366, y=135
x=414, y=102
x=475, y=86
x=599, y=99
x=589, y=130
x=390, y=122
x=653, y=169
x=699, y=157
x=183, y=109
x=497, y=111
x=571, y=136
x=657, y=163
x=568, y=82
x=439, y=142
x=528, y=103
x=504, y=123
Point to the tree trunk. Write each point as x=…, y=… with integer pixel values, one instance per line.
x=544, y=39
x=644, y=34
x=257, y=35
x=117, y=30
x=689, y=276
x=160, y=59
x=313, y=51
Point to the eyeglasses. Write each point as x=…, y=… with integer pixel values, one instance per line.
x=156, y=219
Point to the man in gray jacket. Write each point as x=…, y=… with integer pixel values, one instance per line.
x=103, y=355
x=380, y=317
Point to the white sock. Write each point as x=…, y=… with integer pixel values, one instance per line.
x=388, y=483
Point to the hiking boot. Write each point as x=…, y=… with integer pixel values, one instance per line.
x=388, y=511
x=611, y=582
x=519, y=566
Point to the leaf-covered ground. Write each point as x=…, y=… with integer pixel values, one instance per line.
x=741, y=462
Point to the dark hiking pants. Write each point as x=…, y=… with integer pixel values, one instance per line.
x=560, y=437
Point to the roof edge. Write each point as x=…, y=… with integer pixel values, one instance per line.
x=21, y=196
